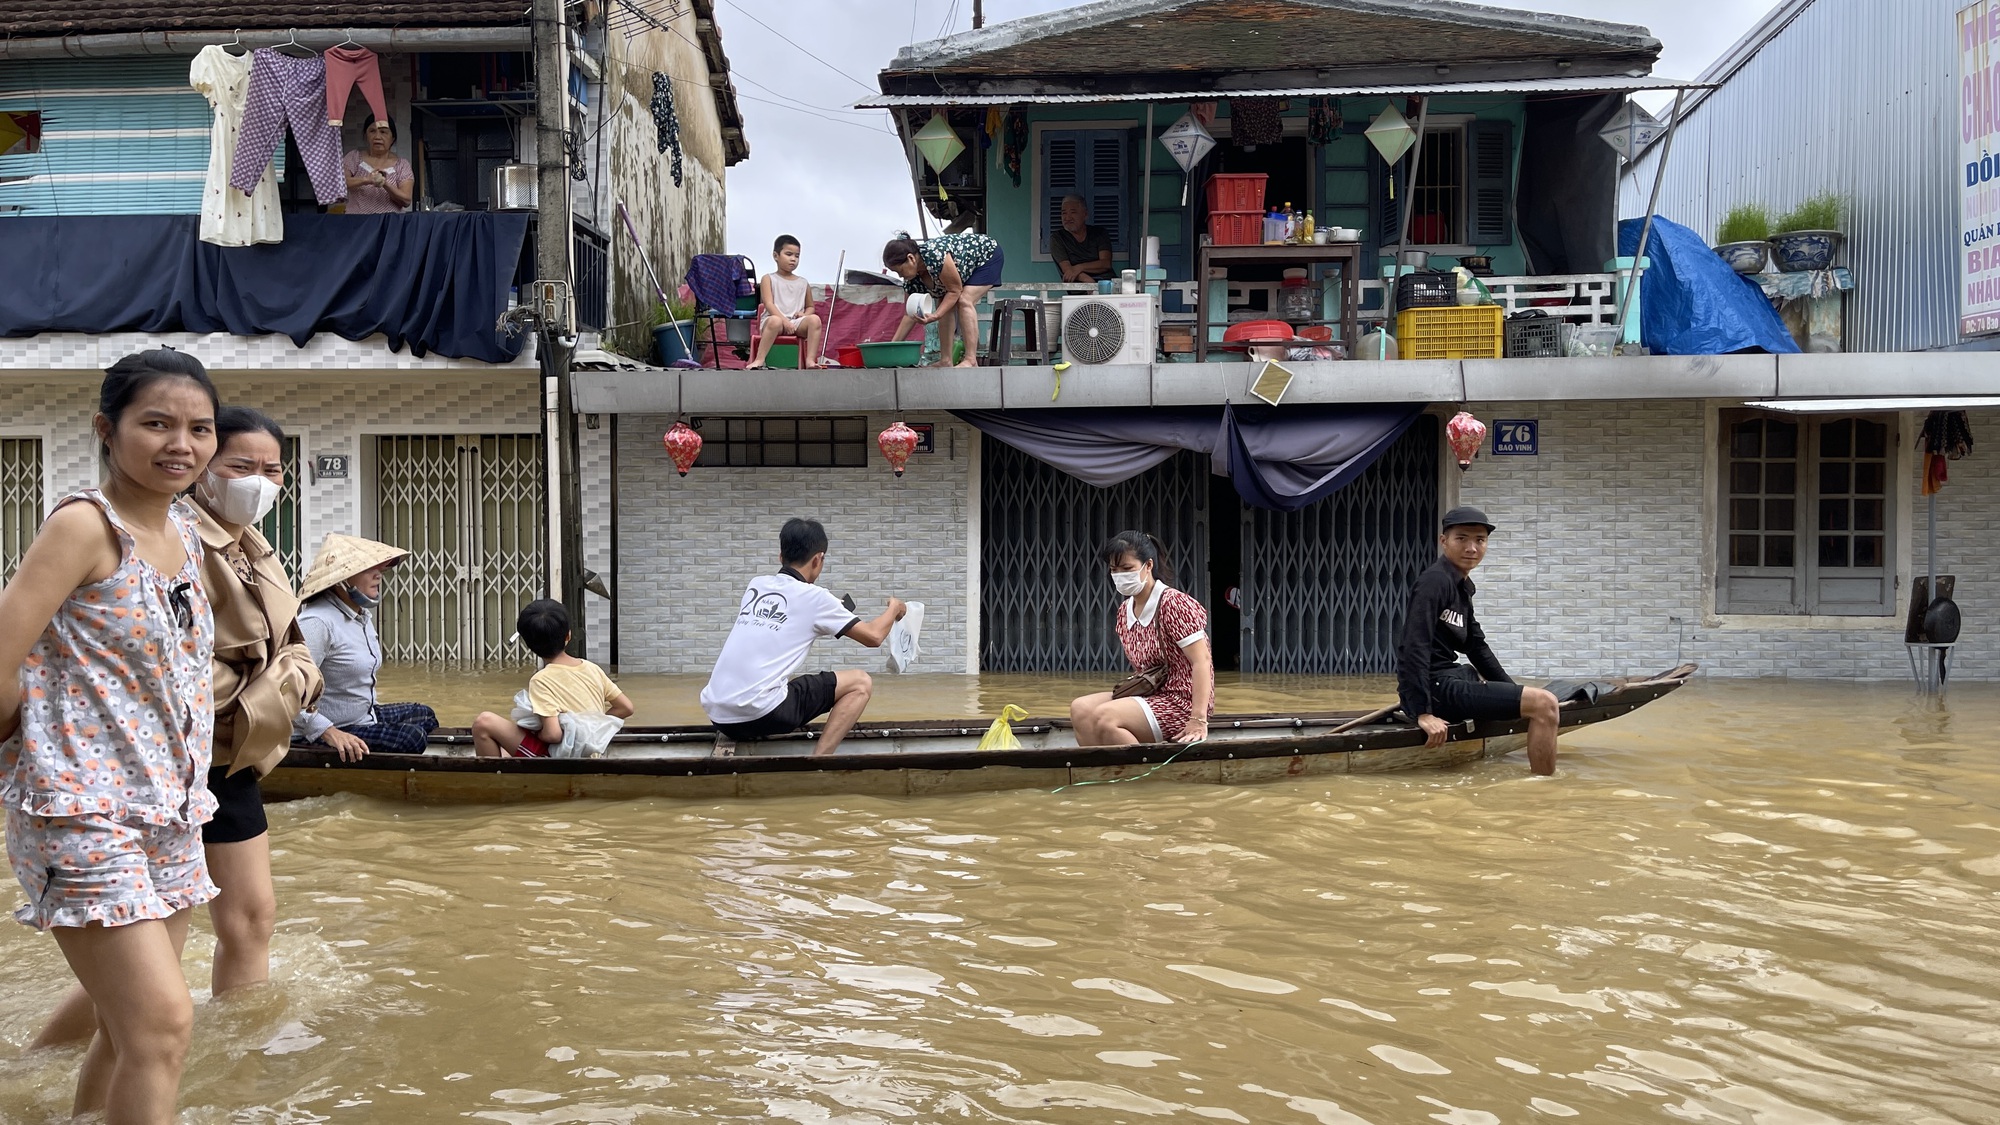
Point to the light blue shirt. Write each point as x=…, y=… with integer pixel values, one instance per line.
x=344, y=644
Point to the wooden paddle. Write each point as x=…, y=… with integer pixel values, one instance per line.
x=1378, y=713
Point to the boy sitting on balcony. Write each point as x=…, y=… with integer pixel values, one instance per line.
x=565, y=686
x=788, y=307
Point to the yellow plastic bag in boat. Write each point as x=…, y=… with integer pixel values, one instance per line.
x=1000, y=736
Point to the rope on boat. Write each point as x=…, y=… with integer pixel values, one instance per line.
x=1134, y=777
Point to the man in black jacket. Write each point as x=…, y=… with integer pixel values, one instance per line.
x=1435, y=688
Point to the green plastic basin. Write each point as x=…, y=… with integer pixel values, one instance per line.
x=892, y=353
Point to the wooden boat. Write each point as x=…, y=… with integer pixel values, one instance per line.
x=897, y=759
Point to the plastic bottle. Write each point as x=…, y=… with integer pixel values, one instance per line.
x=1306, y=230
x=1291, y=222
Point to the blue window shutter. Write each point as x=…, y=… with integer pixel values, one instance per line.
x=1063, y=158
x=1095, y=164
x=1489, y=200
x=155, y=161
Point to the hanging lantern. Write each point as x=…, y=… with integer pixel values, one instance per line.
x=683, y=445
x=939, y=143
x=1391, y=133
x=1466, y=434
x=1631, y=129
x=1187, y=142
x=897, y=443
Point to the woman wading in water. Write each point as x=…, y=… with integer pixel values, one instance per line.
x=263, y=677
x=108, y=726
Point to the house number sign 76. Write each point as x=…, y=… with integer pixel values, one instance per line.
x=1515, y=437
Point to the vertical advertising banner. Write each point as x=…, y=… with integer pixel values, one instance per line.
x=1979, y=164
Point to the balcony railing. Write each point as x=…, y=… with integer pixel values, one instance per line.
x=590, y=259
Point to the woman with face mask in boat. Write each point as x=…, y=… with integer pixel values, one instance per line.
x=1164, y=632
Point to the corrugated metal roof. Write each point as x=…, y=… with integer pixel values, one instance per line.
x=1600, y=85
x=74, y=17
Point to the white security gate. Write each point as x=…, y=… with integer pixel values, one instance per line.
x=281, y=526
x=20, y=499
x=468, y=508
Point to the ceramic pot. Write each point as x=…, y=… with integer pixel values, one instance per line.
x=1745, y=257
x=1802, y=250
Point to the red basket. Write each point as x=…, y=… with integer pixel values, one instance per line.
x=1236, y=228
x=1236, y=191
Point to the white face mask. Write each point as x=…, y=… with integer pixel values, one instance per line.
x=1128, y=583
x=238, y=500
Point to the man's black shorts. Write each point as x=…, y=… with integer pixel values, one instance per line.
x=239, y=812
x=806, y=698
x=1458, y=694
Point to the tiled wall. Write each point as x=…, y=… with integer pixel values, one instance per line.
x=689, y=544
x=1602, y=542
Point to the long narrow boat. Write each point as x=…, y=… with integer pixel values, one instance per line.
x=929, y=756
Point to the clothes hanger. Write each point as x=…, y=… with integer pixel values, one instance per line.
x=349, y=41
x=291, y=46
x=235, y=45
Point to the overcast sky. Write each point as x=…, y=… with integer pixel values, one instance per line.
x=837, y=179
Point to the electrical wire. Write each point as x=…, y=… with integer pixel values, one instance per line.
x=767, y=27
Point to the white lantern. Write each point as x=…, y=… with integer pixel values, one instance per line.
x=1631, y=129
x=1391, y=133
x=1187, y=142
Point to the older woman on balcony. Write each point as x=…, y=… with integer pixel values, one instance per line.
x=958, y=270
x=378, y=181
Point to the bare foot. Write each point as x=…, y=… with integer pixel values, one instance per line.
x=754, y=367
x=966, y=363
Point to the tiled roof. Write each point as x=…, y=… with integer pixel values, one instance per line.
x=37, y=18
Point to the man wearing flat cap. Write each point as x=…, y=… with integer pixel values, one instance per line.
x=1436, y=689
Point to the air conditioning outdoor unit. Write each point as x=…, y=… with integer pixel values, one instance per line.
x=1106, y=328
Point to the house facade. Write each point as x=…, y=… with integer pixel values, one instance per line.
x=416, y=415
x=1633, y=533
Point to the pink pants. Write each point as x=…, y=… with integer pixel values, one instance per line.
x=346, y=68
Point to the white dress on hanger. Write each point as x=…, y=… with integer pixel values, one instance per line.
x=228, y=217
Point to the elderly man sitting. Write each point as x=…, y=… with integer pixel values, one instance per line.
x=1081, y=251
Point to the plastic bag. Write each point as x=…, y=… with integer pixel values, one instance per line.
x=902, y=644
x=523, y=712
x=585, y=735
x=1000, y=736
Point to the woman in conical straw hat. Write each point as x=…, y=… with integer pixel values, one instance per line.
x=341, y=590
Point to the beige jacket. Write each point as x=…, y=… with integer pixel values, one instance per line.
x=263, y=673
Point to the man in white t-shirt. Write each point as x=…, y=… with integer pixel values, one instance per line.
x=752, y=693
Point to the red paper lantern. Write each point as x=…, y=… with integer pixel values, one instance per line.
x=683, y=445
x=1466, y=435
x=897, y=443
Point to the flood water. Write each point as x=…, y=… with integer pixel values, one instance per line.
x=1771, y=903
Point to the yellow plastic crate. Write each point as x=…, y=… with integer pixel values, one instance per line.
x=1459, y=332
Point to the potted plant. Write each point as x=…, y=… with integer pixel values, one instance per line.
x=673, y=328
x=1808, y=236
x=1742, y=239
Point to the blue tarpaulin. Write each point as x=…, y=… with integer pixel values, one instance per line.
x=1280, y=459
x=430, y=281
x=1692, y=303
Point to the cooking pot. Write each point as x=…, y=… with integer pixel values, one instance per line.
x=1415, y=259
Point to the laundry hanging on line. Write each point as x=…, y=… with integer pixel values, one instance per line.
x=346, y=68
x=666, y=121
x=231, y=218
x=286, y=90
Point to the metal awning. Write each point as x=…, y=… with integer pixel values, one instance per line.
x=1860, y=405
x=1603, y=84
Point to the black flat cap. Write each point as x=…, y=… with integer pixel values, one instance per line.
x=1461, y=516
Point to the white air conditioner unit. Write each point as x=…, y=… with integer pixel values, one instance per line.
x=1110, y=328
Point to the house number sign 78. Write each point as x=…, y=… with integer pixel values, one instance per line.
x=1515, y=437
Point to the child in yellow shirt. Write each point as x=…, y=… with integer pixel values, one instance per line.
x=565, y=685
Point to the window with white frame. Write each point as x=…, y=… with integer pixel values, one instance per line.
x=1463, y=191
x=1093, y=163
x=1807, y=515
x=20, y=499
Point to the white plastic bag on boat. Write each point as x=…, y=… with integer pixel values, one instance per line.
x=523, y=712
x=902, y=644
x=585, y=735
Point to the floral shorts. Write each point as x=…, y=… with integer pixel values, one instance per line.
x=83, y=869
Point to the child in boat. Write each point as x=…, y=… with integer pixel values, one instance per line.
x=788, y=306
x=566, y=685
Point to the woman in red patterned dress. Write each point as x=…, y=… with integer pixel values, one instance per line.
x=1156, y=623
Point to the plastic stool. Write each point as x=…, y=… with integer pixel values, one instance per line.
x=1000, y=340
x=786, y=352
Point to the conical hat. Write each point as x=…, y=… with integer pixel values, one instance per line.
x=341, y=557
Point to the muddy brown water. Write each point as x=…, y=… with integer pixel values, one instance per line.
x=1771, y=903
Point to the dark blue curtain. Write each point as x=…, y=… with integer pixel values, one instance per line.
x=429, y=281
x=1280, y=458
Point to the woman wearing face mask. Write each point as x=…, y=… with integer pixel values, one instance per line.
x=262, y=677
x=341, y=591
x=1164, y=630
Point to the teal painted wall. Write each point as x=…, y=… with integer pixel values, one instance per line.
x=1346, y=180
